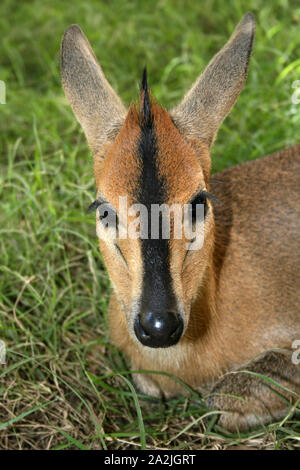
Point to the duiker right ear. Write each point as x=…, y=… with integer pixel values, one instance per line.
x=210, y=99
x=95, y=104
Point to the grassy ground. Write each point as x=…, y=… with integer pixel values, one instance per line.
x=64, y=384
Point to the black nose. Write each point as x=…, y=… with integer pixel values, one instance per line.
x=158, y=330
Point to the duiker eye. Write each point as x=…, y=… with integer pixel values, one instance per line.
x=107, y=215
x=200, y=198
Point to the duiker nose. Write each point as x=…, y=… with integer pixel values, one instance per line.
x=158, y=330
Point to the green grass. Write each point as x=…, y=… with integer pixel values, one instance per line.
x=64, y=384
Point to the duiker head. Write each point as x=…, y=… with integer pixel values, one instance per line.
x=149, y=156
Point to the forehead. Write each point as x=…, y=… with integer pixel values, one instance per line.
x=150, y=162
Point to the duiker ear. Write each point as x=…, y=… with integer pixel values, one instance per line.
x=210, y=99
x=95, y=104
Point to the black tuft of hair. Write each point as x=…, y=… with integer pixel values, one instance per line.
x=145, y=80
x=145, y=99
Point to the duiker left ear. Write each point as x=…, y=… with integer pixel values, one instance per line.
x=210, y=99
x=95, y=104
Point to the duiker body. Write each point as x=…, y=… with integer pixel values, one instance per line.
x=233, y=305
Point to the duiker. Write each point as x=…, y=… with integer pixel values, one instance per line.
x=221, y=316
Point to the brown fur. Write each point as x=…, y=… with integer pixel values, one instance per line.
x=240, y=292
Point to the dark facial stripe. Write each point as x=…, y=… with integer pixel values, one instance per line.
x=157, y=295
